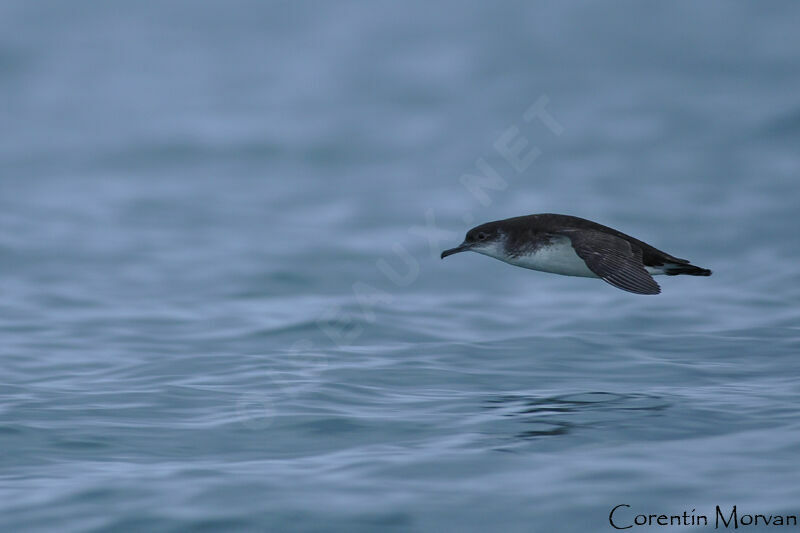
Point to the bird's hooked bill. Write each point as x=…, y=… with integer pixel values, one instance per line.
x=460, y=248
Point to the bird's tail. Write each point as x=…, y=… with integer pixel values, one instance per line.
x=691, y=270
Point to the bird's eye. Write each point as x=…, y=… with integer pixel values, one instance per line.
x=481, y=236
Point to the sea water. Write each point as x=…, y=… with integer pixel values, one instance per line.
x=222, y=306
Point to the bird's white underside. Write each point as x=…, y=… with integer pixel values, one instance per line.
x=559, y=257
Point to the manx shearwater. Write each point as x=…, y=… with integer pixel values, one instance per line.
x=573, y=246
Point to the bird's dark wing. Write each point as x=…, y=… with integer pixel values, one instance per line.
x=613, y=259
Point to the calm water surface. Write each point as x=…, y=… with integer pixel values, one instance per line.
x=221, y=302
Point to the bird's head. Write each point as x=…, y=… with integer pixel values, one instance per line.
x=487, y=239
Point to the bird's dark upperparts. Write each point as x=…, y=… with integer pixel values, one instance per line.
x=573, y=246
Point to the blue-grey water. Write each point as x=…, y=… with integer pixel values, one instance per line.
x=221, y=302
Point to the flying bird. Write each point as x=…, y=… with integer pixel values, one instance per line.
x=573, y=246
